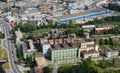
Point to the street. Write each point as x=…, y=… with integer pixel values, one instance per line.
x=9, y=45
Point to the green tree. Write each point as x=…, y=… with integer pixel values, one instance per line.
x=47, y=69
x=101, y=41
x=111, y=41
x=2, y=35
x=86, y=7
x=107, y=41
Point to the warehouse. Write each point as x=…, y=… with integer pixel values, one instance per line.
x=90, y=14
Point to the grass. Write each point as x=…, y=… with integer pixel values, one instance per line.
x=102, y=37
x=0, y=41
x=5, y=66
x=3, y=54
x=111, y=47
x=25, y=71
x=1, y=68
x=102, y=46
x=108, y=46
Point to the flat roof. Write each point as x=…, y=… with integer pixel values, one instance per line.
x=79, y=14
x=64, y=46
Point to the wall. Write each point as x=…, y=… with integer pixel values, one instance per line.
x=58, y=56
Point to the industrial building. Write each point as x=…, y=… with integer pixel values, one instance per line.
x=62, y=49
x=82, y=16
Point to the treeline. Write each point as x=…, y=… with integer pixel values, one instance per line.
x=112, y=19
x=114, y=6
x=2, y=0
x=106, y=41
x=106, y=20
x=88, y=66
x=2, y=35
x=30, y=26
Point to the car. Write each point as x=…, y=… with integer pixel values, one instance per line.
x=15, y=62
x=12, y=52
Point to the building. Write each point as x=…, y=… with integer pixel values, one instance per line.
x=19, y=35
x=65, y=53
x=10, y=19
x=86, y=35
x=60, y=49
x=82, y=16
x=88, y=26
x=102, y=29
x=88, y=49
x=64, y=50
x=111, y=53
x=10, y=2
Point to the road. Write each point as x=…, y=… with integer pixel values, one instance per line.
x=9, y=45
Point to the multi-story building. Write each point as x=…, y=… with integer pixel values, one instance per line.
x=102, y=29
x=65, y=53
x=88, y=49
x=64, y=50
x=61, y=50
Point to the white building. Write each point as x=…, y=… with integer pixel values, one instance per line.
x=45, y=47
x=19, y=35
x=111, y=53
x=10, y=19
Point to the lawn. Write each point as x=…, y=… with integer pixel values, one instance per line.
x=25, y=71
x=1, y=69
x=5, y=65
x=3, y=54
x=108, y=46
x=111, y=47
x=101, y=37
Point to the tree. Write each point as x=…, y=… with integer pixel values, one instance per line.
x=101, y=41
x=87, y=66
x=113, y=61
x=107, y=41
x=2, y=35
x=111, y=41
x=47, y=69
x=114, y=7
x=86, y=7
x=81, y=33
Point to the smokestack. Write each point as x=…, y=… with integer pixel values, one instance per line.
x=31, y=45
x=70, y=39
x=63, y=40
x=54, y=41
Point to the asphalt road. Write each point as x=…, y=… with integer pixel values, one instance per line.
x=9, y=45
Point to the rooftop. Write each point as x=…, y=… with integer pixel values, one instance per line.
x=64, y=46
x=89, y=52
x=80, y=14
x=90, y=45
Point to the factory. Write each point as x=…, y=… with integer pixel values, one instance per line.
x=82, y=16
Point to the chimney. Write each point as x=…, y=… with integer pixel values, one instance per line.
x=31, y=45
x=54, y=41
x=63, y=40
x=70, y=39
x=58, y=40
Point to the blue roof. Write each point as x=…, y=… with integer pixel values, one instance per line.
x=85, y=16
